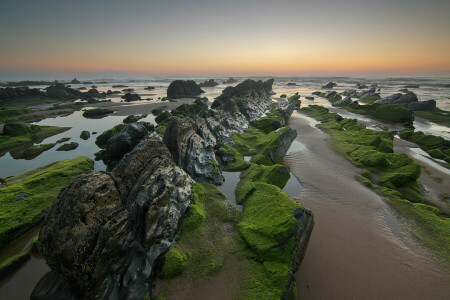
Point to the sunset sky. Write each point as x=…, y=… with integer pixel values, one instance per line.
x=226, y=37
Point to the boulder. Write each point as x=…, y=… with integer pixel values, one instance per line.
x=61, y=92
x=183, y=89
x=422, y=105
x=106, y=232
x=230, y=80
x=128, y=97
x=85, y=135
x=346, y=101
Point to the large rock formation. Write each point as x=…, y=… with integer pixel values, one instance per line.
x=62, y=92
x=183, y=89
x=7, y=93
x=409, y=101
x=106, y=232
x=208, y=83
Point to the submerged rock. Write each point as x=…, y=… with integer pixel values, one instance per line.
x=106, y=232
x=183, y=89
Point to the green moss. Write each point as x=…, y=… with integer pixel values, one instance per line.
x=386, y=112
x=174, y=263
x=39, y=188
x=203, y=242
x=370, y=99
x=159, y=110
x=19, y=142
x=103, y=138
x=13, y=262
x=33, y=151
x=133, y=118
x=364, y=181
x=68, y=146
x=7, y=113
x=34, y=244
x=435, y=146
x=96, y=112
x=272, y=121
x=238, y=163
x=438, y=116
x=161, y=117
x=63, y=140
x=295, y=100
x=215, y=165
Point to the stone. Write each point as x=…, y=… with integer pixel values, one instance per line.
x=183, y=89
x=329, y=85
x=85, y=135
x=208, y=83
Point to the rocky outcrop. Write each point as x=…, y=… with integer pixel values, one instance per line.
x=9, y=92
x=128, y=97
x=208, y=83
x=106, y=232
x=183, y=89
x=409, y=101
x=346, y=101
x=329, y=85
x=285, y=142
x=75, y=81
x=230, y=80
x=123, y=142
x=62, y=92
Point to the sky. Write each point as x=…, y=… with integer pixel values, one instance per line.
x=311, y=37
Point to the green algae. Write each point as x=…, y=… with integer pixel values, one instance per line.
x=103, y=138
x=33, y=151
x=295, y=100
x=96, y=112
x=435, y=146
x=238, y=163
x=133, y=118
x=438, y=116
x=26, y=196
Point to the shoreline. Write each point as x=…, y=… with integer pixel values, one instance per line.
x=355, y=251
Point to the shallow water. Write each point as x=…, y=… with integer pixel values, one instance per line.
x=358, y=248
x=228, y=187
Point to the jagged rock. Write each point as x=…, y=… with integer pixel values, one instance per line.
x=106, y=232
x=88, y=82
x=329, y=85
x=208, y=83
x=399, y=98
x=346, y=101
x=75, y=81
x=123, y=142
x=85, y=135
x=183, y=89
x=330, y=94
x=286, y=140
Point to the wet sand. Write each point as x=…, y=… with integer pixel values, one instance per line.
x=358, y=249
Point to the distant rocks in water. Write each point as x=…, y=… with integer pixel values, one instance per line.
x=409, y=101
x=96, y=112
x=329, y=85
x=361, y=86
x=75, y=81
x=361, y=94
x=82, y=88
x=128, y=90
x=93, y=86
x=128, y=97
x=107, y=232
x=183, y=89
x=309, y=98
x=119, y=86
x=88, y=82
x=13, y=92
x=68, y=147
x=283, y=96
x=230, y=80
x=149, y=88
x=404, y=90
x=28, y=83
x=208, y=83
x=411, y=86
x=85, y=135
x=109, y=92
x=291, y=83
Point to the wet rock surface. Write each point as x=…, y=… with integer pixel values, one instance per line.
x=409, y=101
x=106, y=232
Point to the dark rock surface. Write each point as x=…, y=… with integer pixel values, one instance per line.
x=329, y=85
x=85, y=135
x=208, y=83
x=230, y=81
x=128, y=97
x=183, y=89
x=409, y=101
x=10, y=92
x=123, y=142
x=106, y=232
x=346, y=101
x=62, y=92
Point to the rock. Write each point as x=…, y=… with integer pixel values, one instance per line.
x=128, y=97
x=208, y=83
x=82, y=88
x=128, y=90
x=123, y=142
x=149, y=88
x=119, y=86
x=346, y=101
x=361, y=86
x=61, y=92
x=309, y=98
x=230, y=81
x=329, y=85
x=422, y=105
x=88, y=82
x=68, y=147
x=291, y=83
x=75, y=81
x=399, y=98
x=411, y=86
x=85, y=135
x=183, y=89
x=286, y=140
x=6, y=93
x=404, y=90
x=106, y=232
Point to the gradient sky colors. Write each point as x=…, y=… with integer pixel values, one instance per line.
x=226, y=37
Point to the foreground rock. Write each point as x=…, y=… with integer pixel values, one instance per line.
x=106, y=232
x=183, y=89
